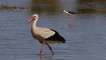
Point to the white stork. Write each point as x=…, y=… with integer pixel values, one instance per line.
x=44, y=35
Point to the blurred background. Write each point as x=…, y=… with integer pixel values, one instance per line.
x=85, y=36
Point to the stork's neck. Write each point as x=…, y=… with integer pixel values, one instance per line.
x=34, y=23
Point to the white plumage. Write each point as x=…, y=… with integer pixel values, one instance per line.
x=66, y=12
x=44, y=32
x=44, y=35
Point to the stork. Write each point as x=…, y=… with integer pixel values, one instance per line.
x=45, y=36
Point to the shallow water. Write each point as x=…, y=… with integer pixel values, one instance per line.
x=85, y=40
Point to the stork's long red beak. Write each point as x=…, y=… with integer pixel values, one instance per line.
x=30, y=20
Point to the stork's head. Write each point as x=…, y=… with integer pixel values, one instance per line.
x=34, y=17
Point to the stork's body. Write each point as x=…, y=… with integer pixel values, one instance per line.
x=44, y=35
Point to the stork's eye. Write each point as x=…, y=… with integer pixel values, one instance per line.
x=34, y=16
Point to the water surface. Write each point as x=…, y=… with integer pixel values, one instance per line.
x=85, y=40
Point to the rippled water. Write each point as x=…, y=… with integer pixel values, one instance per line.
x=85, y=40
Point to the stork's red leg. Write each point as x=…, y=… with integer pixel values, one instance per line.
x=41, y=49
x=50, y=48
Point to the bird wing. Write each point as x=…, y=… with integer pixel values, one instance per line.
x=45, y=32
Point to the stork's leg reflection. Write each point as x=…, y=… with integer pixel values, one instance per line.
x=43, y=57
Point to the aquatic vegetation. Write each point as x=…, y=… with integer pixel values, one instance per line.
x=12, y=8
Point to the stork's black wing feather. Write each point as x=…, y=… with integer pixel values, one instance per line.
x=56, y=37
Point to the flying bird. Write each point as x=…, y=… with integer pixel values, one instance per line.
x=45, y=36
